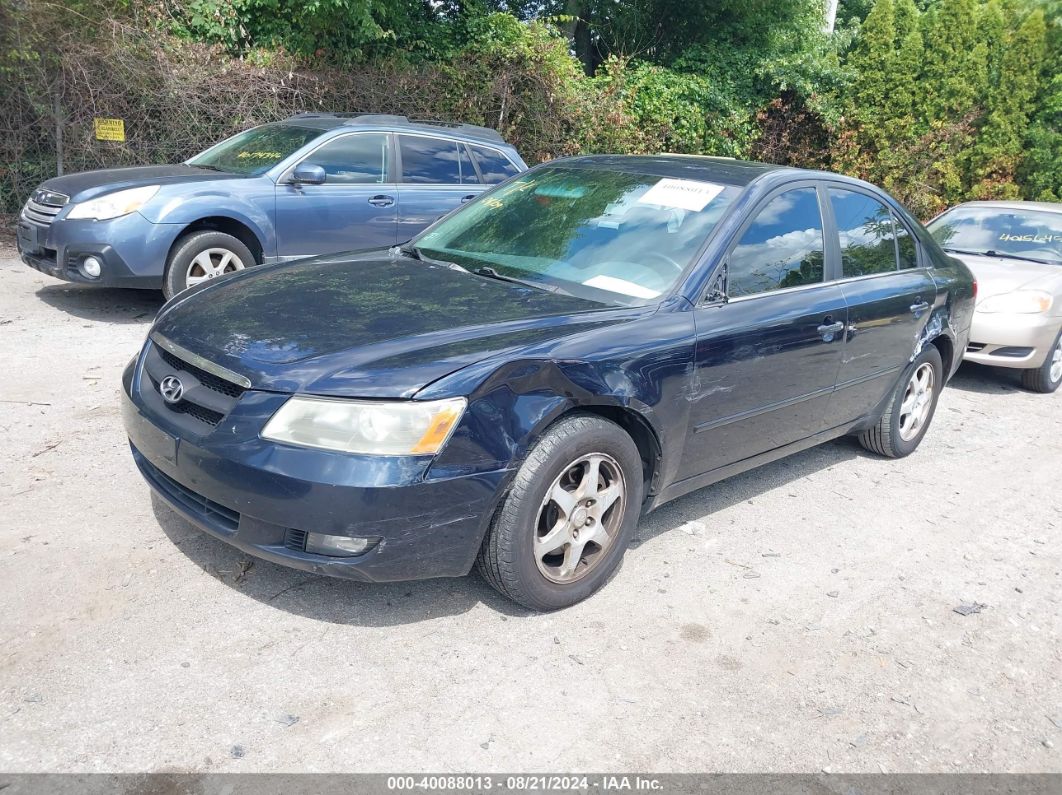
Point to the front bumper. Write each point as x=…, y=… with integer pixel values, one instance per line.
x=1022, y=341
x=131, y=249
x=259, y=496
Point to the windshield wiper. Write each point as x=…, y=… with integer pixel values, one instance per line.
x=415, y=253
x=1001, y=255
x=490, y=273
x=209, y=168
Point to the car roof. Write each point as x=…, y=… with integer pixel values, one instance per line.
x=724, y=170
x=330, y=121
x=1050, y=207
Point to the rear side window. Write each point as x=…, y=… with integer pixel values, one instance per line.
x=866, y=231
x=430, y=161
x=353, y=159
x=782, y=248
x=493, y=165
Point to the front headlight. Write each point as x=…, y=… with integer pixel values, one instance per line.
x=113, y=205
x=1022, y=302
x=357, y=426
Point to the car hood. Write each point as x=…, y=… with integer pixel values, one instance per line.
x=89, y=184
x=996, y=275
x=367, y=326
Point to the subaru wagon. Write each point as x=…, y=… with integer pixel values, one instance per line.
x=313, y=184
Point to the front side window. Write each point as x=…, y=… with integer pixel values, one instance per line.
x=609, y=236
x=255, y=151
x=906, y=245
x=359, y=159
x=996, y=231
x=494, y=166
x=866, y=231
x=782, y=248
x=430, y=161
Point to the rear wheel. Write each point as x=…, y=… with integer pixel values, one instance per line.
x=906, y=420
x=569, y=516
x=204, y=256
x=1048, y=376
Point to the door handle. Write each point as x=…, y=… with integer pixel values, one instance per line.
x=918, y=309
x=468, y=198
x=380, y=200
x=828, y=330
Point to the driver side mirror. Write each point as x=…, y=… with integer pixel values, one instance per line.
x=308, y=174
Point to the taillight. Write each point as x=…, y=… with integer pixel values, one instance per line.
x=975, y=289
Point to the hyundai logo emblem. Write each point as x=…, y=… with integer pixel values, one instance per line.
x=171, y=389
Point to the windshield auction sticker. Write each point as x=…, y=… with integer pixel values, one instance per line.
x=681, y=194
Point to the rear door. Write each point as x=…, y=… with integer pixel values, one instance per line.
x=437, y=175
x=767, y=358
x=356, y=206
x=890, y=294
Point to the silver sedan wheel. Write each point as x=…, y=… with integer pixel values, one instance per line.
x=580, y=518
x=211, y=263
x=1056, y=362
x=917, y=401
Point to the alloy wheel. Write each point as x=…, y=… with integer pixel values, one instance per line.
x=580, y=517
x=917, y=401
x=210, y=264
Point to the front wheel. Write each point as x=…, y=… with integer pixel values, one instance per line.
x=569, y=516
x=204, y=256
x=910, y=411
x=1047, y=377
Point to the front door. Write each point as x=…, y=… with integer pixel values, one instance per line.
x=890, y=300
x=355, y=208
x=767, y=359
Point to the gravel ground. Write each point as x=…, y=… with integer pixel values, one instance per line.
x=796, y=618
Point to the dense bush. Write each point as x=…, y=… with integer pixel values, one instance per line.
x=937, y=100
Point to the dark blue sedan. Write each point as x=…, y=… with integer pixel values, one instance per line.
x=515, y=386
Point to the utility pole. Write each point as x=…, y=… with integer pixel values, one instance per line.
x=831, y=15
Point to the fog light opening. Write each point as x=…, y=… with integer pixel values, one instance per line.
x=338, y=546
x=91, y=268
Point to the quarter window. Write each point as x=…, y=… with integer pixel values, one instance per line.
x=782, y=248
x=430, y=161
x=905, y=245
x=866, y=231
x=354, y=159
x=494, y=166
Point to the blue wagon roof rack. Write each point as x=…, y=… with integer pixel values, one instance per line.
x=471, y=130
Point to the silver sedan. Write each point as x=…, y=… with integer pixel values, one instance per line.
x=1014, y=249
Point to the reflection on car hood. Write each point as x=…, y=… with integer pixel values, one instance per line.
x=367, y=326
x=88, y=184
x=997, y=275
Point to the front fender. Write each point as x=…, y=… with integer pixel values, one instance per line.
x=254, y=208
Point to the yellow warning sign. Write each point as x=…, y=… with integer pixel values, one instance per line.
x=109, y=129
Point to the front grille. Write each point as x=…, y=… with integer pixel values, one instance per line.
x=295, y=539
x=196, y=503
x=207, y=398
x=43, y=206
x=209, y=380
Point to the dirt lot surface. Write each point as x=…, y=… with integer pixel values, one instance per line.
x=797, y=618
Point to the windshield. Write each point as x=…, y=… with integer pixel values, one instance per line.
x=608, y=236
x=1001, y=232
x=255, y=151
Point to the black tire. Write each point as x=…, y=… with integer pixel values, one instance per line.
x=191, y=246
x=885, y=438
x=507, y=557
x=1039, y=378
